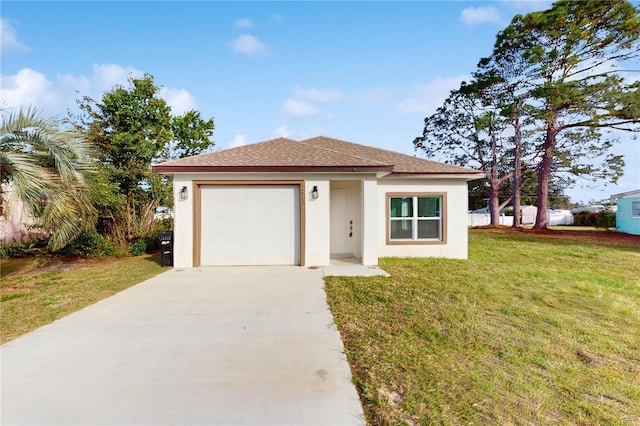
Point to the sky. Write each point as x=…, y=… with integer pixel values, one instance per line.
x=364, y=72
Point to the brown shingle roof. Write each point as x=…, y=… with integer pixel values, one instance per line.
x=316, y=154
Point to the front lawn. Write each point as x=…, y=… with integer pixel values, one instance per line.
x=532, y=329
x=37, y=291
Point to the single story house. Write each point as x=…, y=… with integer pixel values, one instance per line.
x=628, y=212
x=287, y=202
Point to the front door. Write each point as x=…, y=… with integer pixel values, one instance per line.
x=340, y=226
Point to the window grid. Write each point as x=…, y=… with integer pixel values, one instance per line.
x=412, y=223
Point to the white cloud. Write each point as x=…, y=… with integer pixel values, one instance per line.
x=238, y=140
x=428, y=97
x=282, y=132
x=180, y=100
x=249, y=45
x=299, y=109
x=28, y=87
x=8, y=39
x=106, y=76
x=304, y=102
x=244, y=23
x=314, y=95
x=55, y=96
x=479, y=15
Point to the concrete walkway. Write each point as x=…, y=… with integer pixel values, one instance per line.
x=214, y=346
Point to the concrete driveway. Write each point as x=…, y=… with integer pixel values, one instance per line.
x=214, y=346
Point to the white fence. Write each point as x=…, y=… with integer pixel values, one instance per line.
x=483, y=219
x=554, y=217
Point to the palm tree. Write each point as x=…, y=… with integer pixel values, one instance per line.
x=45, y=166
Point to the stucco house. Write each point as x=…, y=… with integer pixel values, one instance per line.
x=287, y=202
x=628, y=212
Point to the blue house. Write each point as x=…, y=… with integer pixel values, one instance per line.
x=628, y=214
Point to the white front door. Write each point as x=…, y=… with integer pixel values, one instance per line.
x=250, y=225
x=340, y=227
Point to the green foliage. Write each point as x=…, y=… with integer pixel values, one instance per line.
x=606, y=219
x=191, y=135
x=556, y=78
x=132, y=128
x=601, y=219
x=571, y=56
x=139, y=247
x=90, y=244
x=47, y=168
x=22, y=249
x=584, y=218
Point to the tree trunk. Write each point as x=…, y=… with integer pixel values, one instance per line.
x=544, y=174
x=515, y=186
x=494, y=204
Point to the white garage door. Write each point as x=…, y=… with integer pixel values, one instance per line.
x=250, y=225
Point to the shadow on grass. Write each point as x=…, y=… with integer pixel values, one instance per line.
x=155, y=257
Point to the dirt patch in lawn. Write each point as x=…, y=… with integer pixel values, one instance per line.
x=27, y=266
x=594, y=236
x=609, y=238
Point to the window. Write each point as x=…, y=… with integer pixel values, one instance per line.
x=415, y=218
x=635, y=208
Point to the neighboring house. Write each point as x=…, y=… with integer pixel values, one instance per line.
x=628, y=212
x=303, y=203
x=16, y=224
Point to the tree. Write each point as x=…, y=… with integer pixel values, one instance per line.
x=191, y=135
x=132, y=127
x=573, y=54
x=468, y=131
x=47, y=168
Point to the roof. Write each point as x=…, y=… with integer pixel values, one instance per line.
x=628, y=194
x=319, y=154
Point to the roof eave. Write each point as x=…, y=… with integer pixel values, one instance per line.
x=437, y=175
x=167, y=169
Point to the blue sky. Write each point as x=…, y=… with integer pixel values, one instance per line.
x=366, y=72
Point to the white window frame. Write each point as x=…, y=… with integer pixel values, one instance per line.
x=415, y=219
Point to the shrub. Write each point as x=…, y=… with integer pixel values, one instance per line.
x=90, y=244
x=606, y=219
x=22, y=249
x=139, y=247
x=585, y=218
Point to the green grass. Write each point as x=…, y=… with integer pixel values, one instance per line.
x=532, y=329
x=37, y=291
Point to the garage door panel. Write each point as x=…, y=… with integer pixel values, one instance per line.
x=230, y=243
x=230, y=210
x=279, y=210
x=250, y=225
x=272, y=227
x=273, y=193
x=229, y=227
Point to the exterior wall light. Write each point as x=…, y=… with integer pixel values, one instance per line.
x=314, y=193
x=183, y=194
